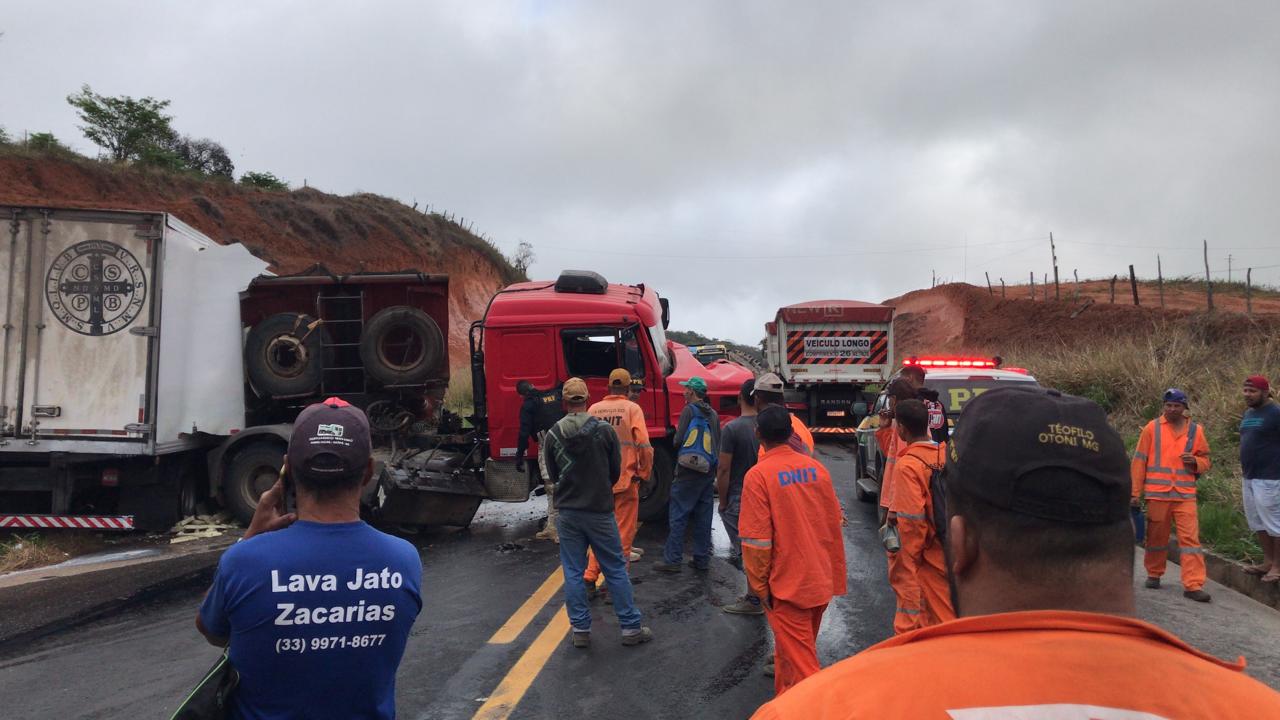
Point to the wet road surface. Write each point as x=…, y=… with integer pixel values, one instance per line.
x=492, y=639
x=702, y=663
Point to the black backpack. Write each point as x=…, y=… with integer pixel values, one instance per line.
x=938, y=499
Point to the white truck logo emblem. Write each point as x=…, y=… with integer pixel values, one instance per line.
x=96, y=288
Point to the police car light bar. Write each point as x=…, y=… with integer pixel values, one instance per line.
x=949, y=362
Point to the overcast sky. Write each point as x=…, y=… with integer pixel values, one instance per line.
x=736, y=155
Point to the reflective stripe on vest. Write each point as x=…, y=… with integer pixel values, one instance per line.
x=1169, y=483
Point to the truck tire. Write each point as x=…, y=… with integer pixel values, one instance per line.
x=655, y=493
x=401, y=345
x=283, y=357
x=253, y=470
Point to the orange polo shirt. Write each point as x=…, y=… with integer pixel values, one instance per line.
x=1026, y=666
x=789, y=506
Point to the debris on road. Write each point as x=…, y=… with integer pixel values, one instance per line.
x=196, y=527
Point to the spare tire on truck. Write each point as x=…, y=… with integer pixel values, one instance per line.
x=283, y=355
x=401, y=345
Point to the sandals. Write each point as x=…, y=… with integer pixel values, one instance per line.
x=1271, y=577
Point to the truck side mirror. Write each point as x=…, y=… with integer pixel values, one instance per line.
x=666, y=312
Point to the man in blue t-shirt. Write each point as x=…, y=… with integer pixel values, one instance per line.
x=1260, y=461
x=317, y=605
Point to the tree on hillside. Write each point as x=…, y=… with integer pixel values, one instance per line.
x=202, y=155
x=45, y=142
x=524, y=257
x=127, y=128
x=4, y=137
x=263, y=180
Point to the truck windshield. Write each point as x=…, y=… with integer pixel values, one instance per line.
x=660, y=349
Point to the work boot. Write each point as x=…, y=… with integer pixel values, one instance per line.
x=744, y=607
x=581, y=639
x=637, y=551
x=634, y=556
x=663, y=567
x=700, y=568
x=643, y=635
x=1153, y=583
x=1197, y=595
x=548, y=533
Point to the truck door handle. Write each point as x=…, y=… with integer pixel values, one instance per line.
x=47, y=411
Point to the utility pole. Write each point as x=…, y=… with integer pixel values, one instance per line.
x=1228, y=267
x=1053, y=250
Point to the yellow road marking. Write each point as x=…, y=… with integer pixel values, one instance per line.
x=519, y=620
x=511, y=690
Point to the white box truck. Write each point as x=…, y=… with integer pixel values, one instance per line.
x=121, y=340
x=827, y=352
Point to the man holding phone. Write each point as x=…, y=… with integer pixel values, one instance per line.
x=316, y=605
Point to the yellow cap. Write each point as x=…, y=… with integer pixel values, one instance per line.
x=620, y=378
x=575, y=390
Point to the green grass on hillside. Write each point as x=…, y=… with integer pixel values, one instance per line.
x=1128, y=376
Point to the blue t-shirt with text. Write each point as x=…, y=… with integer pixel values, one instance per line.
x=318, y=615
x=1260, y=442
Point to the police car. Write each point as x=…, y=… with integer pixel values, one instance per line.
x=957, y=380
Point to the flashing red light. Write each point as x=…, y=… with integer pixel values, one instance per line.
x=949, y=362
x=1021, y=371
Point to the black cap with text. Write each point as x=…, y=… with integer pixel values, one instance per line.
x=330, y=441
x=1035, y=451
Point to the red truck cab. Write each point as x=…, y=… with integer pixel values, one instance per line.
x=580, y=325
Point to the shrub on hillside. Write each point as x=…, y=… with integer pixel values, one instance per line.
x=263, y=180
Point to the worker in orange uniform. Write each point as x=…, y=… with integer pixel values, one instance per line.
x=1041, y=565
x=921, y=568
x=792, y=546
x=906, y=614
x=1172, y=452
x=627, y=420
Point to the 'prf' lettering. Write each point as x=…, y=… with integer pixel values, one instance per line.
x=796, y=477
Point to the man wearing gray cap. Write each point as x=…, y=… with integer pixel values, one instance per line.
x=317, y=606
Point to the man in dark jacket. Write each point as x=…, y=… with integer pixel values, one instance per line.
x=540, y=410
x=583, y=459
x=693, y=490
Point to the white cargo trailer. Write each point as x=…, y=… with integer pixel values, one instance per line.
x=827, y=352
x=121, y=351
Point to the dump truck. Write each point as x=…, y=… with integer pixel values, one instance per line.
x=827, y=353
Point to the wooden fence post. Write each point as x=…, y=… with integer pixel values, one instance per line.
x=1076, y=274
x=1160, y=281
x=1208, y=283
x=1002, y=294
x=1133, y=283
x=1113, y=288
x=1248, y=291
x=1057, y=290
x=989, y=290
x=1033, y=284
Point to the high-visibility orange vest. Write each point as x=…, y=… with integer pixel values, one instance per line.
x=1157, y=470
x=627, y=420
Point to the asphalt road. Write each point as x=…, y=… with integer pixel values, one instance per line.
x=492, y=639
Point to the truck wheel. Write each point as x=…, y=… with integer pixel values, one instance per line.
x=655, y=492
x=401, y=346
x=283, y=356
x=253, y=471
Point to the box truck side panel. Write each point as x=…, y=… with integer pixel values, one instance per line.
x=86, y=353
x=200, y=370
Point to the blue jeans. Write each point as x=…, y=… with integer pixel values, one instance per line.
x=729, y=515
x=580, y=529
x=691, y=501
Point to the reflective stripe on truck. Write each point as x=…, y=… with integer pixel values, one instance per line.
x=84, y=522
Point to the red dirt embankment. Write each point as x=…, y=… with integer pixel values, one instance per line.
x=292, y=230
x=959, y=318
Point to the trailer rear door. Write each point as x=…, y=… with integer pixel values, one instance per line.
x=83, y=315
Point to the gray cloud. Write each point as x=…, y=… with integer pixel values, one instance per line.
x=736, y=155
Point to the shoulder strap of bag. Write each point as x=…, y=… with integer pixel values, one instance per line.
x=1191, y=438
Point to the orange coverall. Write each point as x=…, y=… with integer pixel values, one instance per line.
x=1030, y=665
x=793, y=554
x=919, y=574
x=1169, y=487
x=627, y=420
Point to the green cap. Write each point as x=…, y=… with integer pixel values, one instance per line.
x=696, y=384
